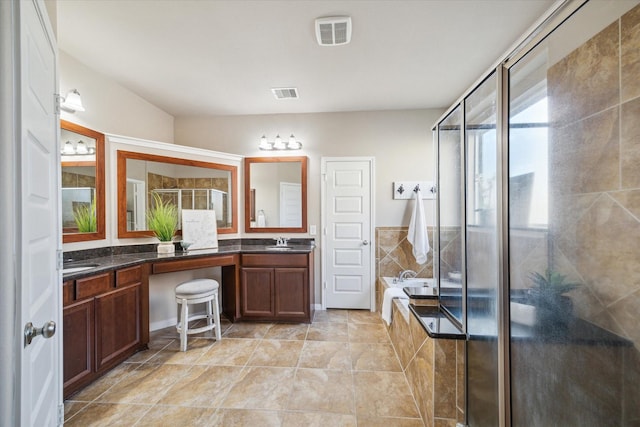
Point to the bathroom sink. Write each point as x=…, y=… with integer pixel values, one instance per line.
x=77, y=268
x=278, y=248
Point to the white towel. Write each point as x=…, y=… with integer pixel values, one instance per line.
x=262, y=220
x=389, y=295
x=418, y=236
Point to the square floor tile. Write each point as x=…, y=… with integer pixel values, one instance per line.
x=276, y=353
x=108, y=414
x=261, y=388
x=384, y=394
x=374, y=357
x=325, y=355
x=229, y=351
x=328, y=332
x=203, y=386
x=323, y=390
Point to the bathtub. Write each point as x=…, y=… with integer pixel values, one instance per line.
x=415, y=282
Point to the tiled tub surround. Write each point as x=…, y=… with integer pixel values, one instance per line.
x=394, y=254
x=341, y=370
x=434, y=367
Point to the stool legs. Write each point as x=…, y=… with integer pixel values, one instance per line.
x=209, y=313
x=184, y=325
x=216, y=313
x=212, y=315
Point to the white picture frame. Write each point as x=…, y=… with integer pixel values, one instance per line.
x=200, y=228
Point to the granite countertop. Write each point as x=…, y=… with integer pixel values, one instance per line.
x=436, y=323
x=577, y=332
x=104, y=262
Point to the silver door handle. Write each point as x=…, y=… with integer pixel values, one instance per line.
x=30, y=332
x=365, y=242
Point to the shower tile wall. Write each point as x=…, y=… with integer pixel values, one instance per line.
x=594, y=165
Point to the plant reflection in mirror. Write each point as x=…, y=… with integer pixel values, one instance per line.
x=85, y=217
x=162, y=219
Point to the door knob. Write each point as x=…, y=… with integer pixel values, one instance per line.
x=365, y=242
x=30, y=332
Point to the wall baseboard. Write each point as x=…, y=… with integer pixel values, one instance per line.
x=161, y=324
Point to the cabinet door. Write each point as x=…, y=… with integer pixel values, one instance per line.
x=257, y=292
x=291, y=292
x=117, y=324
x=78, y=327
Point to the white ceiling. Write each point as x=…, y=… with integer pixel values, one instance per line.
x=222, y=57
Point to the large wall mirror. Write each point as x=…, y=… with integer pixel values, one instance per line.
x=189, y=184
x=82, y=183
x=275, y=194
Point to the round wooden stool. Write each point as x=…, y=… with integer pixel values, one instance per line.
x=194, y=292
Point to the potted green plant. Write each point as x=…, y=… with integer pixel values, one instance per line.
x=553, y=308
x=85, y=217
x=162, y=219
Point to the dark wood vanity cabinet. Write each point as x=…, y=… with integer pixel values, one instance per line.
x=277, y=287
x=79, y=356
x=103, y=323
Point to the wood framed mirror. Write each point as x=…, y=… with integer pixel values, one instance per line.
x=275, y=194
x=189, y=184
x=82, y=183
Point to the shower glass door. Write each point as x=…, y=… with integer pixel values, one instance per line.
x=450, y=214
x=574, y=222
x=482, y=254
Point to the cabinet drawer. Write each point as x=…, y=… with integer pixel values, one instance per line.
x=67, y=292
x=93, y=285
x=275, y=260
x=128, y=276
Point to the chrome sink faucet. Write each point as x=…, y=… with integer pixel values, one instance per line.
x=404, y=274
x=281, y=241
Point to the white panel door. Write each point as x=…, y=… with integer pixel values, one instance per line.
x=290, y=204
x=347, y=233
x=39, y=230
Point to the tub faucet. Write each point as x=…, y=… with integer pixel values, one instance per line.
x=404, y=274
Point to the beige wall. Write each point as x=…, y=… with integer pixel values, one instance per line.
x=401, y=142
x=110, y=108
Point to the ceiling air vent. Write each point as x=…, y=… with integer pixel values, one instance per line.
x=333, y=30
x=285, y=92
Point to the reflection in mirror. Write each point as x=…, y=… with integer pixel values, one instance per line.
x=188, y=184
x=275, y=194
x=82, y=183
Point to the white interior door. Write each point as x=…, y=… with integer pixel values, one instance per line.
x=39, y=224
x=137, y=204
x=347, y=205
x=290, y=204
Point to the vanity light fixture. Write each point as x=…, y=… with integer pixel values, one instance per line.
x=68, y=149
x=72, y=102
x=279, y=144
x=81, y=148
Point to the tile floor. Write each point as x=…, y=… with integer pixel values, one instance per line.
x=339, y=371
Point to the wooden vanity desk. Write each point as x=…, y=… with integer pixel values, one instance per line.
x=106, y=308
x=230, y=266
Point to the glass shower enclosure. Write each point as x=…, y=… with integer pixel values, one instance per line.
x=544, y=153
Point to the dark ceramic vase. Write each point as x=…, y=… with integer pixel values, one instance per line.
x=553, y=311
